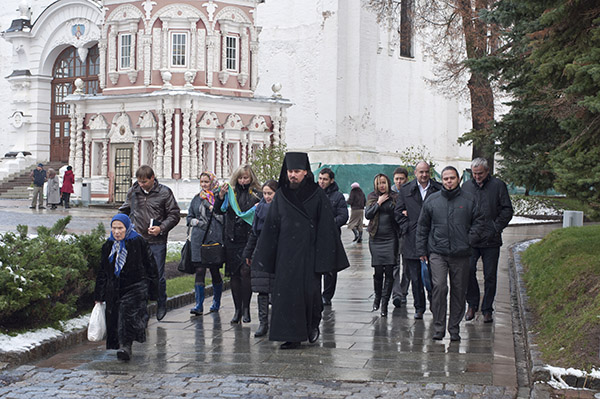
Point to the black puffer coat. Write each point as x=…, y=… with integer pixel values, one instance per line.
x=450, y=221
x=338, y=204
x=200, y=209
x=494, y=201
x=262, y=282
x=126, y=296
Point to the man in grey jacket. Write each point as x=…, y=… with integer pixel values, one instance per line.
x=449, y=222
x=153, y=211
x=492, y=197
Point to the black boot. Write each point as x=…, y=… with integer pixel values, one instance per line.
x=355, y=231
x=236, y=293
x=263, y=315
x=237, y=316
x=124, y=352
x=246, y=315
x=385, y=297
x=378, y=284
x=359, y=236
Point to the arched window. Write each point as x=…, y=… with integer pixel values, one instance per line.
x=67, y=68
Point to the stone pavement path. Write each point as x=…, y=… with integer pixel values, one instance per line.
x=359, y=354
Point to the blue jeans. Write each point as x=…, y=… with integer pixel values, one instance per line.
x=160, y=256
x=489, y=256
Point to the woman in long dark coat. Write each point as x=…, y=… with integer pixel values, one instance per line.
x=357, y=202
x=236, y=201
x=261, y=281
x=200, y=215
x=127, y=279
x=383, y=239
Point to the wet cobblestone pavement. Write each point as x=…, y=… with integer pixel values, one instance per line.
x=359, y=354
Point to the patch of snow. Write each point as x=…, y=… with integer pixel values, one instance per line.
x=557, y=374
x=526, y=220
x=31, y=339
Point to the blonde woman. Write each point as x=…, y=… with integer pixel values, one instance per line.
x=237, y=201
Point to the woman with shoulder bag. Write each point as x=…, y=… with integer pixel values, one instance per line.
x=237, y=201
x=207, y=228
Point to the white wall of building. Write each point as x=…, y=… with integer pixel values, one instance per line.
x=356, y=101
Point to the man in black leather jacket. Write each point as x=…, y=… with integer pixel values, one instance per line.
x=492, y=197
x=340, y=214
x=450, y=221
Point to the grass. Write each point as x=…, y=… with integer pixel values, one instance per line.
x=563, y=284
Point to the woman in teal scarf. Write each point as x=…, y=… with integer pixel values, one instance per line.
x=237, y=201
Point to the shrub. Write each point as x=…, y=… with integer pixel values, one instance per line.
x=47, y=278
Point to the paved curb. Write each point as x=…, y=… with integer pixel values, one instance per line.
x=538, y=374
x=54, y=345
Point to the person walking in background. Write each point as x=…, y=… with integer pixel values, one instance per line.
x=206, y=228
x=53, y=190
x=299, y=242
x=38, y=177
x=492, y=197
x=126, y=280
x=261, y=282
x=401, y=272
x=357, y=202
x=410, y=200
x=154, y=212
x=340, y=215
x=237, y=201
x=67, y=187
x=449, y=222
x=383, y=239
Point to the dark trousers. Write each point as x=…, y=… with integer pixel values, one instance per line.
x=401, y=281
x=317, y=303
x=489, y=256
x=160, y=255
x=329, y=283
x=458, y=270
x=66, y=197
x=418, y=291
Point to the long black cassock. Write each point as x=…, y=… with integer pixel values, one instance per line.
x=299, y=242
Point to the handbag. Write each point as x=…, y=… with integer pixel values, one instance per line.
x=211, y=254
x=97, y=325
x=426, y=275
x=185, y=264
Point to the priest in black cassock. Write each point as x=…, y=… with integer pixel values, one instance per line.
x=298, y=243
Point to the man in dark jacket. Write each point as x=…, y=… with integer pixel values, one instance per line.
x=38, y=176
x=449, y=222
x=401, y=280
x=340, y=214
x=154, y=212
x=299, y=242
x=410, y=200
x=492, y=197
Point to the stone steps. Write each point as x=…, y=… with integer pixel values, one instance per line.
x=18, y=185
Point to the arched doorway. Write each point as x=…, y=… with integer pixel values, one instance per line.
x=67, y=68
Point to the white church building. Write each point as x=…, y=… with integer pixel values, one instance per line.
x=186, y=86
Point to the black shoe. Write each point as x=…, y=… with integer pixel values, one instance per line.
x=384, y=311
x=246, y=315
x=470, y=314
x=438, y=336
x=397, y=302
x=237, y=316
x=290, y=345
x=314, y=335
x=487, y=318
x=42, y=207
x=32, y=207
x=262, y=330
x=454, y=337
x=419, y=316
x=161, y=310
x=326, y=302
x=124, y=352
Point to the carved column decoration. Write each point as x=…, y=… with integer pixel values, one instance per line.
x=112, y=55
x=282, y=125
x=104, y=166
x=185, y=145
x=276, y=133
x=159, y=148
x=193, y=44
x=244, y=148
x=244, y=57
x=132, y=74
x=136, y=154
x=165, y=46
x=254, y=65
x=72, y=134
x=146, y=42
x=194, y=144
x=210, y=55
x=219, y=154
x=168, y=157
x=87, y=162
x=79, y=145
x=201, y=51
x=102, y=54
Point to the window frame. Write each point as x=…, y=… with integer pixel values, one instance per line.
x=121, y=53
x=186, y=48
x=235, y=57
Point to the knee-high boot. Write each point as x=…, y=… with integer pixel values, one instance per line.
x=263, y=315
x=385, y=297
x=359, y=235
x=355, y=231
x=217, y=292
x=198, y=309
x=246, y=291
x=236, y=288
x=378, y=285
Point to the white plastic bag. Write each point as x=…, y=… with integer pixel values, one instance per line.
x=97, y=327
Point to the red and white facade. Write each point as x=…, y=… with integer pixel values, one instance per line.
x=122, y=83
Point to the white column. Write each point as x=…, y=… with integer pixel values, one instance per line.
x=159, y=147
x=194, y=144
x=87, y=162
x=104, y=166
x=168, y=152
x=185, y=145
x=79, y=145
